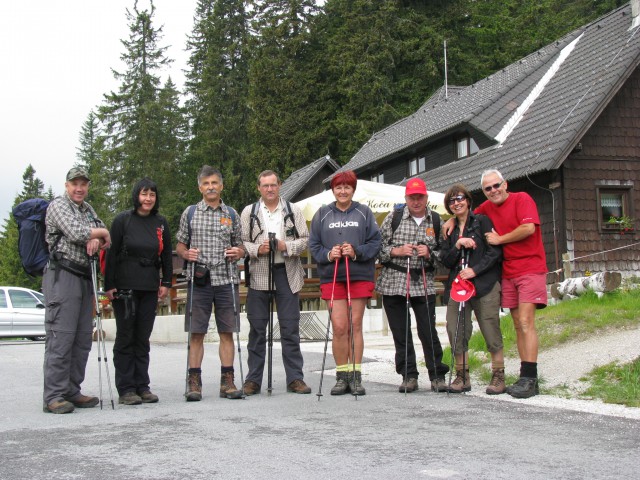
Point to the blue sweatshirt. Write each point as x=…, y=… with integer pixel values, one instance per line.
x=357, y=226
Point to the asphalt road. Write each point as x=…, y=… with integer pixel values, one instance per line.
x=384, y=434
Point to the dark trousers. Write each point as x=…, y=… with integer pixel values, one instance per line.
x=395, y=306
x=289, y=320
x=135, y=316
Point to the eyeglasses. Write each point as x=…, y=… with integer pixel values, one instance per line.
x=457, y=198
x=495, y=186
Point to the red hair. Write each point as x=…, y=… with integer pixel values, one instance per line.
x=347, y=178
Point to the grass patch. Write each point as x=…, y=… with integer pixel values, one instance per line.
x=573, y=320
x=615, y=383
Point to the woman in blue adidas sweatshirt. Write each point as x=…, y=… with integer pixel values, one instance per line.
x=344, y=235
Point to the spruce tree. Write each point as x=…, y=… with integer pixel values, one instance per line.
x=135, y=118
x=217, y=88
x=284, y=88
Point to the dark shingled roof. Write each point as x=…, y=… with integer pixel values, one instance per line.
x=298, y=179
x=604, y=55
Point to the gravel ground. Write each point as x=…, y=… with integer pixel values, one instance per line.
x=560, y=366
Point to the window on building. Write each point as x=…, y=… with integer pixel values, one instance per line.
x=613, y=208
x=467, y=146
x=378, y=177
x=416, y=166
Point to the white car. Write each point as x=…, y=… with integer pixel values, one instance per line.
x=21, y=313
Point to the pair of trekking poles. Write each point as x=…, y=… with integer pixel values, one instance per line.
x=464, y=262
x=349, y=315
x=407, y=323
x=102, y=349
x=236, y=316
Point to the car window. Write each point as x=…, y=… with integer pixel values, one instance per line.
x=39, y=296
x=22, y=299
x=3, y=299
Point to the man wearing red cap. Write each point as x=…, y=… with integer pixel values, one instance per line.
x=410, y=244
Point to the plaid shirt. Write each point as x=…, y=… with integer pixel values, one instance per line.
x=394, y=282
x=259, y=266
x=212, y=232
x=70, y=226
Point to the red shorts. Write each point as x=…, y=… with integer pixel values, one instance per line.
x=530, y=288
x=358, y=290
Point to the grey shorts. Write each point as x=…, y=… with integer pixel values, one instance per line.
x=204, y=299
x=487, y=310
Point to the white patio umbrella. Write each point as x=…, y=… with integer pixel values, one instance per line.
x=379, y=197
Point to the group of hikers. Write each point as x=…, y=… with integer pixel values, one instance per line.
x=494, y=254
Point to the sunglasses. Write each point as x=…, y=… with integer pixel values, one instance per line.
x=457, y=198
x=495, y=186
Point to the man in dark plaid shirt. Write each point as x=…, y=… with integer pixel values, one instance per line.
x=414, y=241
x=212, y=244
x=74, y=233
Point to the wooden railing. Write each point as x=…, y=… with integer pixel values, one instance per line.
x=310, y=297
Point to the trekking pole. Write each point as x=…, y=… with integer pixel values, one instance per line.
x=465, y=262
x=455, y=339
x=237, y=318
x=406, y=332
x=426, y=296
x=102, y=350
x=272, y=240
x=350, y=313
x=189, y=314
x=326, y=339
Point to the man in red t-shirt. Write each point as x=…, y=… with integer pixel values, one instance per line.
x=524, y=268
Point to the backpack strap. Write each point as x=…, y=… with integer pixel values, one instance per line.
x=435, y=218
x=288, y=213
x=190, y=213
x=254, y=217
x=396, y=218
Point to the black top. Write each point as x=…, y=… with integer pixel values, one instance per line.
x=134, y=260
x=485, y=259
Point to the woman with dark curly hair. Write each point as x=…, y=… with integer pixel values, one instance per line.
x=140, y=250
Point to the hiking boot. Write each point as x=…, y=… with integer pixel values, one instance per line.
x=130, y=398
x=148, y=397
x=62, y=406
x=496, y=385
x=525, y=387
x=462, y=383
x=83, y=401
x=408, y=385
x=298, y=386
x=251, y=388
x=228, y=388
x=342, y=384
x=194, y=388
x=438, y=385
x=355, y=383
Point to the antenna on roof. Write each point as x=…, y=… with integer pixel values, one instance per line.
x=446, y=88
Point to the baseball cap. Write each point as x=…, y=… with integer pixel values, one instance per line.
x=462, y=290
x=77, y=172
x=415, y=186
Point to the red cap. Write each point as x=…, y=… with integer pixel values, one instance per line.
x=415, y=186
x=462, y=290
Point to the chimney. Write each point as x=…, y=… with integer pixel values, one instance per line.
x=635, y=14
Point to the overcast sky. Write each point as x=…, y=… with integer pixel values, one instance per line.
x=57, y=60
